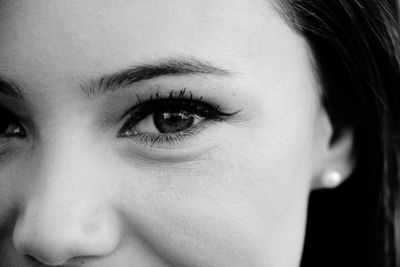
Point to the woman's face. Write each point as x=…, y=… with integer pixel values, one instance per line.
x=154, y=133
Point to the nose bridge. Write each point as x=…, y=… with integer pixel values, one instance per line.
x=66, y=213
x=65, y=173
x=68, y=164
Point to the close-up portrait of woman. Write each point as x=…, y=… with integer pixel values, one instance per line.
x=197, y=133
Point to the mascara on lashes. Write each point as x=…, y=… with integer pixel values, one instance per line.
x=181, y=101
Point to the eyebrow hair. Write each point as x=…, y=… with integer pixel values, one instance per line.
x=10, y=88
x=138, y=73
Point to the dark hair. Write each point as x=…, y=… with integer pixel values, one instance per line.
x=356, y=46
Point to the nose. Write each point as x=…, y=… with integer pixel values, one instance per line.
x=65, y=217
x=60, y=238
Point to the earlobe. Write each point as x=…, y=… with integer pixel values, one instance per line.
x=331, y=179
x=334, y=159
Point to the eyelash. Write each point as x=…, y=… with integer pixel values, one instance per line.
x=179, y=100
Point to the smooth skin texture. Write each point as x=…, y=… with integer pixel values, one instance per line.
x=74, y=192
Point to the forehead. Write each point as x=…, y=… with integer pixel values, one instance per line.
x=53, y=46
x=97, y=33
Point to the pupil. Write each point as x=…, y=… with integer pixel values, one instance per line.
x=173, y=121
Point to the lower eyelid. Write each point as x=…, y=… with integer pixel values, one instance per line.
x=183, y=151
x=7, y=150
x=169, y=138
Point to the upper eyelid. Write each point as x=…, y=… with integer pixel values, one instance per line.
x=214, y=109
x=10, y=88
x=9, y=113
x=199, y=107
x=173, y=96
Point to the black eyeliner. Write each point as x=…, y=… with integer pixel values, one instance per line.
x=181, y=101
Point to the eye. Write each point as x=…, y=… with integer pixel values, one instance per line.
x=170, y=120
x=9, y=126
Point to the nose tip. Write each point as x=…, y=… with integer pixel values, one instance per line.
x=57, y=242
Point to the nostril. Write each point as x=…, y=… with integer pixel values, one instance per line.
x=37, y=262
x=37, y=252
x=34, y=259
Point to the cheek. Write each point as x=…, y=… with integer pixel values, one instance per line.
x=242, y=204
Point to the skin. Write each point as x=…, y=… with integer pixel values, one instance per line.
x=74, y=192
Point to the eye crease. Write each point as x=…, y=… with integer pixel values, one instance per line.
x=170, y=119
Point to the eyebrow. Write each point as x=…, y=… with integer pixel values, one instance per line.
x=138, y=73
x=10, y=88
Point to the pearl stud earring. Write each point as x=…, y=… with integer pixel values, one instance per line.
x=331, y=179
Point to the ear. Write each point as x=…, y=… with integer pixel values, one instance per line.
x=333, y=153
